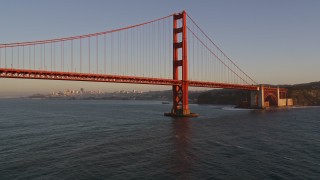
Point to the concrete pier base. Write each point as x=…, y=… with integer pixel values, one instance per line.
x=181, y=115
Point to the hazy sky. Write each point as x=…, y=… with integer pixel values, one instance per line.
x=274, y=41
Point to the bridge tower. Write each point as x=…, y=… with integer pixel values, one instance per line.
x=180, y=107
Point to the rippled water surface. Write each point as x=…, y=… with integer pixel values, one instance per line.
x=57, y=139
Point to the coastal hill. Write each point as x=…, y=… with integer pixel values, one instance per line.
x=307, y=94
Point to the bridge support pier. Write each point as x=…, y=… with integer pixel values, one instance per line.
x=269, y=96
x=180, y=107
x=257, y=98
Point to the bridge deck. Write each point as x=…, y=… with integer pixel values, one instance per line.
x=72, y=76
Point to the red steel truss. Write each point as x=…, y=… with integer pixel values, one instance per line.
x=52, y=75
x=55, y=75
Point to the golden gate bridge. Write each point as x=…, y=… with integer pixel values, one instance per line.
x=172, y=50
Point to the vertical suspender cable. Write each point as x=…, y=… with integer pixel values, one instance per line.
x=63, y=64
x=80, y=55
x=71, y=56
x=22, y=57
x=54, y=56
x=111, y=46
x=61, y=56
x=51, y=56
x=12, y=58
x=5, y=57
x=119, y=53
x=159, y=49
x=29, y=57
x=89, y=53
x=44, y=56
x=104, y=53
x=40, y=56
x=34, y=56
x=97, y=52
x=18, y=56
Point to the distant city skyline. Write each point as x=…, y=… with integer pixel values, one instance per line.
x=275, y=42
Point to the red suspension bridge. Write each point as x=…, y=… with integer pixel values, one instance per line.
x=165, y=51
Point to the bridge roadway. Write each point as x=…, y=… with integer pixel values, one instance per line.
x=73, y=76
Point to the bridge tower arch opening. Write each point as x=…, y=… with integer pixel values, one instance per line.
x=271, y=99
